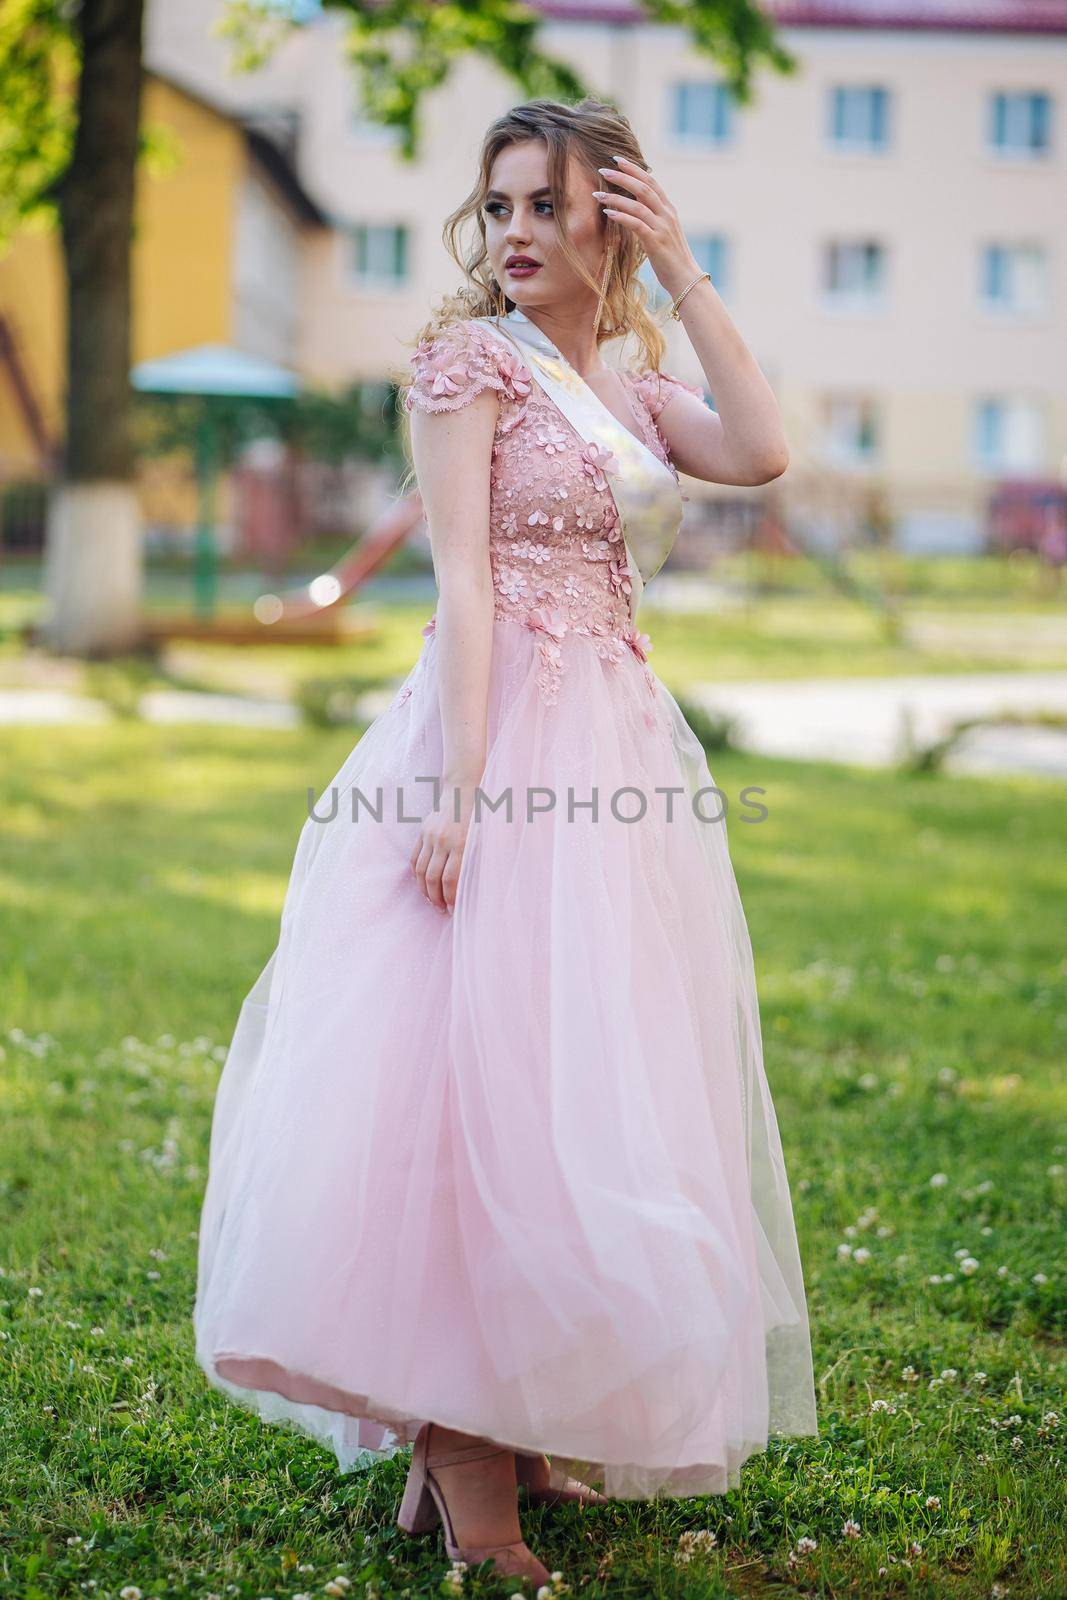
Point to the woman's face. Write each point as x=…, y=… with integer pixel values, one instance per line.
x=519, y=223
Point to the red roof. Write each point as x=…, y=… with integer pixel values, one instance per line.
x=963, y=16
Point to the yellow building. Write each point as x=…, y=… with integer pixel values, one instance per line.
x=221, y=227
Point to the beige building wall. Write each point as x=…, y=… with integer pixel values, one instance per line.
x=919, y=363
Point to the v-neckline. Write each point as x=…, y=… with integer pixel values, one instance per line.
x=631, y=407
x=643, y=441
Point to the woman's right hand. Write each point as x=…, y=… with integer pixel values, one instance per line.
x=437, y=857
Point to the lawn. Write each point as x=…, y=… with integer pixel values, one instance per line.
x=910, y=937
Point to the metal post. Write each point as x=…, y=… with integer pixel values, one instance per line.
x=205, y=559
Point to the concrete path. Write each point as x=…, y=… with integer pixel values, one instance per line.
x=869, y=720
x=861, y=720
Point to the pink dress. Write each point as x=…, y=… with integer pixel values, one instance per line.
x=515, y=1170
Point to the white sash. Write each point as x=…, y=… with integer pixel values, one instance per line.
x=645, y=490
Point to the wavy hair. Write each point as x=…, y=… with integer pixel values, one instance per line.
x=591, y=131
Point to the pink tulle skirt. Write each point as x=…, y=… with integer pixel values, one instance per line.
x=514, y=1170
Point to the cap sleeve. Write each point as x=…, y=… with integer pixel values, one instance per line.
x=656, y=388
x=451, y=368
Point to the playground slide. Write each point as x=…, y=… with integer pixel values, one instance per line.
x=366, y=557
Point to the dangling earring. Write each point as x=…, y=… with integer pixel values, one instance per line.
x=498, y=296
x=603, y=287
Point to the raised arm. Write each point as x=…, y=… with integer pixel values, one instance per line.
x=743, y=440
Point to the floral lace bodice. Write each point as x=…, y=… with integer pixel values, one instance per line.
x=558, y=558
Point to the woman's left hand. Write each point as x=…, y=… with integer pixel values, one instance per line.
x=647, y=211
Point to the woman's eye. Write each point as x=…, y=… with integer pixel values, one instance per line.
x=492, y=207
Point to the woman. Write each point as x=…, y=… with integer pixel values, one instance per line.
x=494, y=1166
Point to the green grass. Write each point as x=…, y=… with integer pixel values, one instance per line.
x=910, y=945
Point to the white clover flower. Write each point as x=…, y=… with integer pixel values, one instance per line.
x=694, y=1542
x=1051, y=1419
x=933, y=1502
x=939, y=1180
x=915, y=1548
x=850, y=1231
x=850, y=1529
x=1002, y=1272
x=949, y=1373
x=979, y=1377
x=130, y=1592
x=861, y=1255
x=1039, y=1277
x=948, y=1277
x=969, y=1266
x=844, y=1251
x=935, y=1277
x=35, y=1291
x=805, y=1546
x=1056, y=1170
x=910, y=1375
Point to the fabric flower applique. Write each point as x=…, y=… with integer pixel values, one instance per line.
x=518, y=379
x=597, y=550
x=551, y=439
x=621, y=577
x=550, y=625
x=537, y=553
x=611, y=526
x=511, y=583
x=639, y=642
x=596, y=462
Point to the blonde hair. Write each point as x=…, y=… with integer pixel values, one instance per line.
x=591, y=131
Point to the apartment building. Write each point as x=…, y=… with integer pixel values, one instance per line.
x=888, y=225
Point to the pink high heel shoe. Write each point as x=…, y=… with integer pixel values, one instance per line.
x=424, y=1502
x=559, y=1490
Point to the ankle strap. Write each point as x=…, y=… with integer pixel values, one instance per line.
x=470, y=1452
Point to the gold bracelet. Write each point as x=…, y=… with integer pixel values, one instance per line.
x=674, y=307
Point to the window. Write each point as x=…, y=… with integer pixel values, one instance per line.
x=379, y=253
x=702, y=113
x=1013, y=279
x=657, y=295
x=850, y=430
x=1008, y=434
x=858, y=117
x=854, y=274
x=1020, y=123
x=712, y=252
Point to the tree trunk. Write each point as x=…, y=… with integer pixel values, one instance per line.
x=93, y=562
